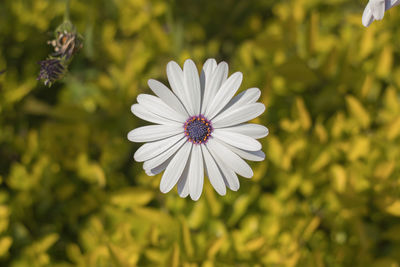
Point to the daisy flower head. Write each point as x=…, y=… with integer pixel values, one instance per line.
x=200, y=126
x=376, y=9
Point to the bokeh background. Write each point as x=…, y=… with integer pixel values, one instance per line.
x=328, y=193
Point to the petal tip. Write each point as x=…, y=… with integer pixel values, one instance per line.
x=210, y=60
x=235, y=189
x=131, y=136
x=133, y=107
x=150, y=82
x=221, y=190
x=163, y=188
x=136, y=157
x=188, y=61
x=149, y=173
x=195, y=197
x=172, y=65
x=367, y=17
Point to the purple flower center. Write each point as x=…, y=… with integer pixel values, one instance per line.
x=198, y=129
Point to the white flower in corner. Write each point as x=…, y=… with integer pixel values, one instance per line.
x=199, y=125
x=376, y=9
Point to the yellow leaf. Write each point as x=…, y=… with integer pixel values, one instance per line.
x=298, y=11
x=259, y=171
x=215, y=247
x=5, y=244
x=384, y=169
x=393, y=130
x=359, y=148
x=198, y=215
x=42, y=245
x=246, y=55
x=304, y=116
x=132, y=196
x=290, y=126
x=19, y=92
x=384, y=66
x=390, y=100
x=367, y=42
x=322, y=160
x=4, y=211
x=175, y=256
x=394, y=208
x=116, y=255
x=239, y=208
x=255, y=244
x=275, y=150
x=357, y=111
x=90, y=172
x=158, y=217
x=338, y=126
x=310, y=229
x=156, y=255
x=187, y=240
x=339, y=178
x=214, y=205
x=321, y=133
x=74, y=253
x=19, y=177
x=296, y=146
x=367, y=85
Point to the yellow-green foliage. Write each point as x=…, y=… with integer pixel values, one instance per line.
x=328, y=193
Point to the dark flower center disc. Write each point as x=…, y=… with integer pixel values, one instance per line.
x=198, y=129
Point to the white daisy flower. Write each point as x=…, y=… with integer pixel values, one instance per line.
x=376, y=9
x=199, y=125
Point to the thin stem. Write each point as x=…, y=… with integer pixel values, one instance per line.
x=66, y=12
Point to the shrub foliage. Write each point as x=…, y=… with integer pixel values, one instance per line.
x=328, y=193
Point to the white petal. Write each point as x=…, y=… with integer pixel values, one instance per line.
x=228, y=175
x=236, y=139
x=149, y=173
x=206, y=73
x=214, y=175
x=153, y=132
x=175, y=168
x=158, y=169
x=224, y=95
x=231, y=160
x=183, y=183
x=378, y=8
x=249, y=155
x=143, y=113
x=367, y=17
x=152, y=149
x=248, y=96
x=196, y=173
x=256, y=131
x=218, y=78
x=175, y=78
x=158, y=107
x=167, y=96
x=192, y=86
x=164, y=156
x=375, y=10
x=239, y=115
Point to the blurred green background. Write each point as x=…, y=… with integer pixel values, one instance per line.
x=328, y=193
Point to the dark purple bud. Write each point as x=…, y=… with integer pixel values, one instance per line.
x=50, y=71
